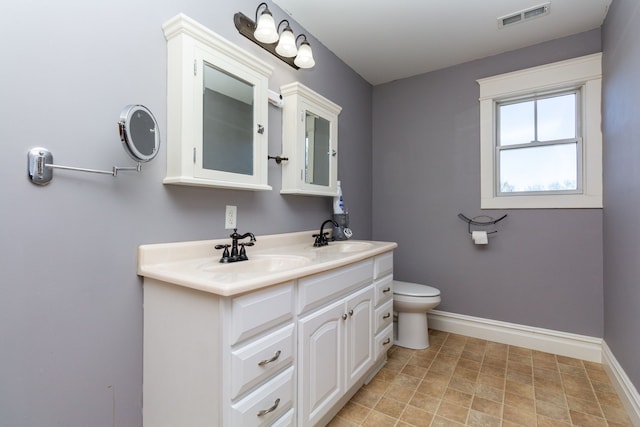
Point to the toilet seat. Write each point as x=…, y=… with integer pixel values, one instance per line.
x=414, y=289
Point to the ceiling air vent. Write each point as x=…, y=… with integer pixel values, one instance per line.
x=524, y=15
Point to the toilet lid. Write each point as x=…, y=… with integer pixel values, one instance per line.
x=414, y=289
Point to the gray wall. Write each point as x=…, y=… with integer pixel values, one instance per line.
x=621, y=113
x=70, y=299
x=543, y=268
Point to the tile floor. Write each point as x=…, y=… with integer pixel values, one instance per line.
x=462, y=381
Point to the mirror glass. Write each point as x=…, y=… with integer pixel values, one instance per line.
x=139, y=132
x=227, y=122
x=317, y=149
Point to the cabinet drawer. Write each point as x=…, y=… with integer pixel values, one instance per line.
x=259, y=311
x=383, y=265
x=384, y=316
x=319, y=289
x=384, y=341
x=266, y=404
x=257, y=361
x=384, y=289
x=287, y=420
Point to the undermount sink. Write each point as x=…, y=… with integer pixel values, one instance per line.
x=263, y=263
x=346, y=247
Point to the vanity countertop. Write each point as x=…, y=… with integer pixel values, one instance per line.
x=274, y=259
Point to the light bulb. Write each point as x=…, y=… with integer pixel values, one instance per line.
x=266, y=28
x=287, y=44
x=305, y=56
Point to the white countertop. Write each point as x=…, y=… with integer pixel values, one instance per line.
x=274, y=259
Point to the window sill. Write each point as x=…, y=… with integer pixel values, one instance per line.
x=573, y=201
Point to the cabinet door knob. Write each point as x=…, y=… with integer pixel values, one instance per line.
x=384, y=291
x=386, y=316
x=267, y=361
x=387, y=341
x=350, y=312
x=273, y=408
x=344, y=316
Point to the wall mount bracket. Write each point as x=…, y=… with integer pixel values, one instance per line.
x=489, y=221
x=279, y=159
x=40, y=167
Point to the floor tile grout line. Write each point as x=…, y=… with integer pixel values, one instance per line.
x=404, y=409
x=593, y=390
x=435, y=412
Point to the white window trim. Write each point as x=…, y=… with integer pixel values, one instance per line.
x=584, y=72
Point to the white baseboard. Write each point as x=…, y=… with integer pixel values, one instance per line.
x=623, y=385
x=547, y=340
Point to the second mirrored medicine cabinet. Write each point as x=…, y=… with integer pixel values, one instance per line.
x=310, y=141
x=217, y=102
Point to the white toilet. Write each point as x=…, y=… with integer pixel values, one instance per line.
x=411, y=301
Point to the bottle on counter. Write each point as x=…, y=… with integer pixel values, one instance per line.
x=338, y=202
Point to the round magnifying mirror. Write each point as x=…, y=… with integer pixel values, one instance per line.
x=139, y=132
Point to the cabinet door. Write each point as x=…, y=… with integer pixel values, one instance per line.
x=216, y=110
x=320, y=362
x=360, y=333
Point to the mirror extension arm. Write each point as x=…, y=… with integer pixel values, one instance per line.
x=40, y=167
x=139, y=135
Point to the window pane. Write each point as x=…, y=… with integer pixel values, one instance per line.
x=542, y=168
x=516, y=123
x=557, y=118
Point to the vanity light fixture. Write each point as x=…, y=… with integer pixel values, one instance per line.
x=283, y=45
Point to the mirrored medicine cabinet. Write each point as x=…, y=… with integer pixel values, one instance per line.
x=217, y=101
x=310, y=141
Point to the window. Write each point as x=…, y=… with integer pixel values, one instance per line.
x=538, y=145
x=541, y=144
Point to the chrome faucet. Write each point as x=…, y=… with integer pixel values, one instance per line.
x=321, y=238
x=235, y=254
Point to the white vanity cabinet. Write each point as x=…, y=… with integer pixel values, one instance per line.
x=383, y=317
x=287, y=354
x=335, y=342
x=259, y=378
x=218, y=361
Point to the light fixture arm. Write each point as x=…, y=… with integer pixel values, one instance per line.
x=266, y=9
x=288, y=27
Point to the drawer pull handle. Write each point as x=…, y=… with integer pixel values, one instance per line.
x=273, y=408
x=350, y=312
x=386, y=316
x=344, y=316
x=273, y=359
x=384, y=291
x=387, y=341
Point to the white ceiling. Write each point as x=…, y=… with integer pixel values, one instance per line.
x=385, y=40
